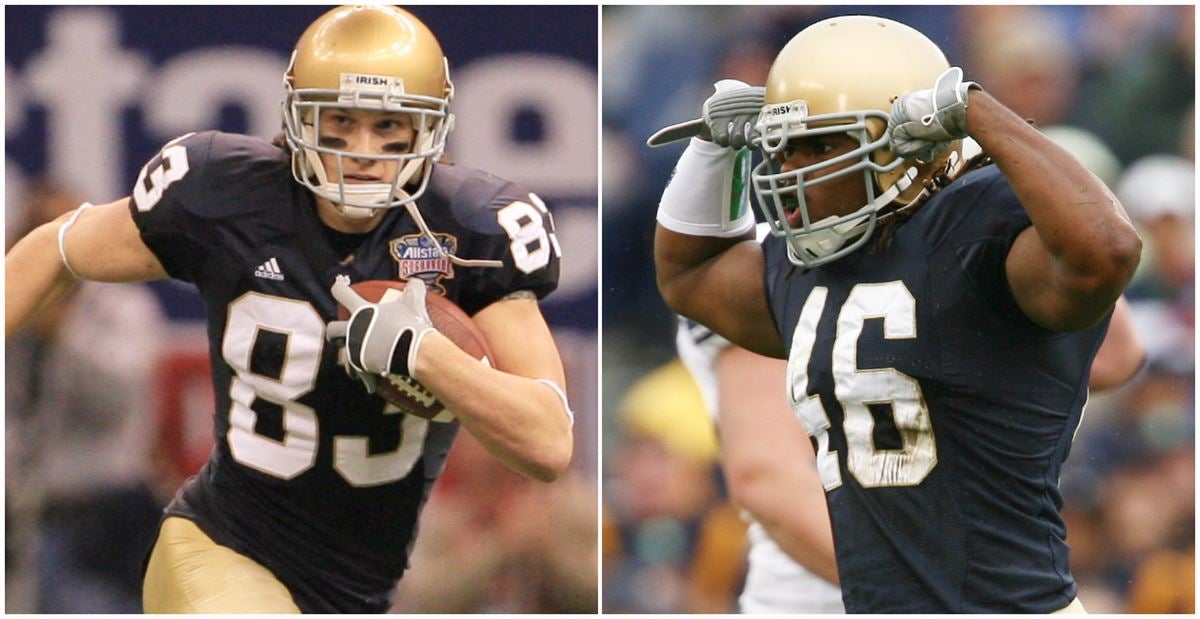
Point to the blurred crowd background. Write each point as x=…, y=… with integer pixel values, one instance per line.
x=108, y=399
x=1113, y=84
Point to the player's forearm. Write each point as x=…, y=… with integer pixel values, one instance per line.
x=802, y=530
x=1077, y=218
x=519, y=420
x=35, y=277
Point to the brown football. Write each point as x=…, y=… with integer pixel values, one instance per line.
x=404, y=392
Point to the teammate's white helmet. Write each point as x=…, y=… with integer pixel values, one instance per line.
x=372, y=58
x=841, y=75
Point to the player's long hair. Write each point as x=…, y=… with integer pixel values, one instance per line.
x=938, y=181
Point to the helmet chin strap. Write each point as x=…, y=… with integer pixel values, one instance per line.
x=821, y=243
x=368, y=193
x=355, y=213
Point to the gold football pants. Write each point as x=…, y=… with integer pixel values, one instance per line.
x=190, y=573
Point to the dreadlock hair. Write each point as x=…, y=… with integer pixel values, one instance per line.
x=938, y=181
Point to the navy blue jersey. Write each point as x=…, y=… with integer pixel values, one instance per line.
x=310, y=475
x=941, y=413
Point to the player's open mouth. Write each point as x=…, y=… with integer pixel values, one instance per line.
x=795, y=217
x=791, y=208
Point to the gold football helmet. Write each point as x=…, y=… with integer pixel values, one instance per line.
x=841, y=75
x=373, y=58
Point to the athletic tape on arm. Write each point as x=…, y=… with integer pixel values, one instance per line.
x=708, y=194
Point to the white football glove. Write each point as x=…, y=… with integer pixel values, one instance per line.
x=380, y=338
x=924, y=122
x=730, y=113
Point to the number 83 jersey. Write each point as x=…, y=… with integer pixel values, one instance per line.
x=941, y=414
x=310, y=475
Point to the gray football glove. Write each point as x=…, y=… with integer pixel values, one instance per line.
x=924, y=122
x=380, y=338
x=730, y=113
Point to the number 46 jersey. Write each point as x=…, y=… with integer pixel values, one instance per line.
x=941, y=413
x=310, y=475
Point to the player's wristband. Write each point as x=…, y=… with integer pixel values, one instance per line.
x=62, y=236
x=562, y=395
x=708, y=195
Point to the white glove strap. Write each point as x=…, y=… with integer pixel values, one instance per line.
x=562, y=395
x=708, y=195
x=418, y=336
x=62, y=236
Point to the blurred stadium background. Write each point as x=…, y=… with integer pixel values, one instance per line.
x=1115, y=84
x=108, y=400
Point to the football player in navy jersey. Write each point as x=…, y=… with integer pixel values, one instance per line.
x=768, y=462
x=939, y=317
x=310, y=498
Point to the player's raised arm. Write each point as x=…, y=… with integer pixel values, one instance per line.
x=708, y=266
x=99, y=243
x=1068, y=269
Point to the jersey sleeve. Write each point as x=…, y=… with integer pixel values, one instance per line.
x=161, y=205
x=517, y=229
x=989, y=218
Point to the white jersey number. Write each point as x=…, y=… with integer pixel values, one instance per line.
x=152, y=182
x=298, y=325
x=855, y=389
x=531, y=242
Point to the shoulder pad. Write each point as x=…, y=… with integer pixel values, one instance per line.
x=474, y=196
x=225, y=174
x=979, y=204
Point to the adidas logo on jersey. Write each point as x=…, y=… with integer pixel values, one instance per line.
x=269, y=270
